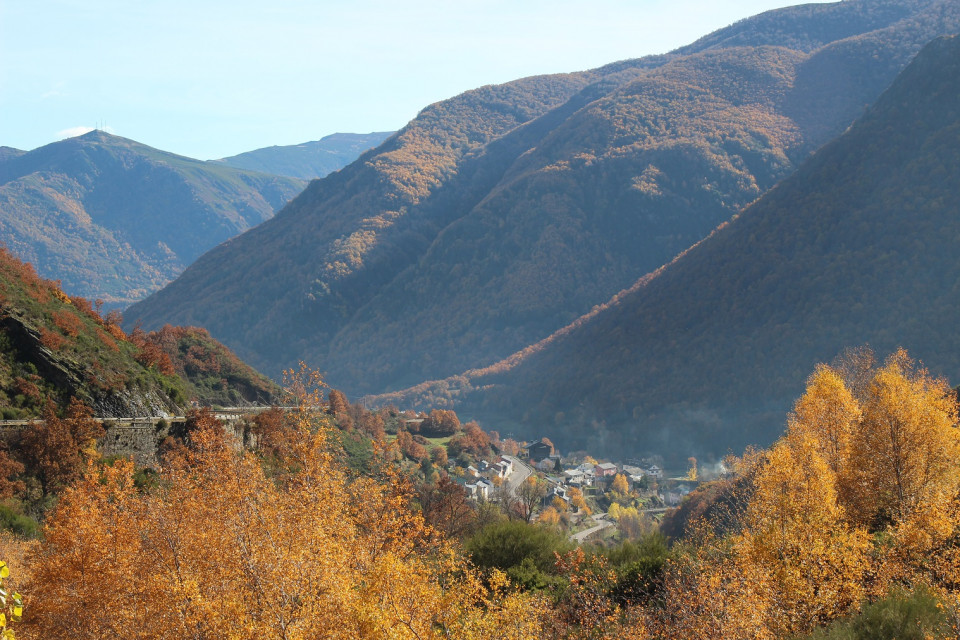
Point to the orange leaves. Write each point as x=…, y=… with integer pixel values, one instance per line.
x=219, y=549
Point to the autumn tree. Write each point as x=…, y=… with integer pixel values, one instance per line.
x=578, y=502
x=620, y=484
x=217, y=549
x=530, y=493
x=56, y=448
x=796, y=534
x=905, y=448
x=473, y=441
x=440, y=423
x=829, y=412
x=438, y=455
x=445, y=507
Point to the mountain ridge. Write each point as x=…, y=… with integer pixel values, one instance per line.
x=708, y=352
x=381, y=258
x=115, y=219
x=307, y=160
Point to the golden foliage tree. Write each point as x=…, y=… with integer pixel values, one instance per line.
x=905, y=448
x=796, y=535
x=828, y=412
x=218, y=549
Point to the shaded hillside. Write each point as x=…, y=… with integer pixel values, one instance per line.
x=859, y=246
x=308, y=160
x=116, y=220
x=496, y=217
x=213, y=374
x=54, y=347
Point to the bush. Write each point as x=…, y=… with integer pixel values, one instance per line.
x=18, y=523
x=903, y=615
x=526, y=552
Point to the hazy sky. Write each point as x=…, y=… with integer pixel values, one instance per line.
x=212, y=78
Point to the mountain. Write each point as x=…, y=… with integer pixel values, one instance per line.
x=55, y=347
x=501, y=215
x=706, y=355
x=115, y=220
x=308, y=160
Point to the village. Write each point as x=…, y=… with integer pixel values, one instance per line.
x=577, y=492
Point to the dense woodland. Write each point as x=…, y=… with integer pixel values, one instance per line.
x=845, y=528
x=707, y=353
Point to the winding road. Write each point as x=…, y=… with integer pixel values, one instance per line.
x=520, y=473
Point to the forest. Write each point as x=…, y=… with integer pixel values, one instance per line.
x=847, y=527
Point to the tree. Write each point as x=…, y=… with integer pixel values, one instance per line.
x=56, y=448
x=339, y=406
x=905, y=447
x=440, y=423
x=439, y=456
x=620, y=484
x=578, y=502
x=797, y=535
x=530, y=493
x=445, y=507
x=828, y=412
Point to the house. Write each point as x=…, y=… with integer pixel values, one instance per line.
x=655, y=471
x=578, y=478
x=473, y=471
x=502, y=469
x=631, y=470
x=538, y=450
x=605, y=470
x=479, y=490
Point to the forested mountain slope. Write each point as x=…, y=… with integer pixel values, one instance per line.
x=498, y=216
x=116, y=220
x=55, y=347
x=859, y=246
x=308, y=160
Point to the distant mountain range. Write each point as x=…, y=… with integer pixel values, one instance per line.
x=497, y=217
x=115, y=220
x=308, y=160
x=706, y=355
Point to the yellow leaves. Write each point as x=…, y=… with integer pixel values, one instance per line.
x=620, y=484
x=905, y=448
x=219, y=549
x=828, y=412
x=796, y=535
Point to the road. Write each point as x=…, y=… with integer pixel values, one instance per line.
x=602, y=523
x=520, y=473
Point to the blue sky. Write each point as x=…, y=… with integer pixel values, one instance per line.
x=212, y=78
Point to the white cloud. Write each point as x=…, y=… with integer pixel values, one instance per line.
x=73, y=132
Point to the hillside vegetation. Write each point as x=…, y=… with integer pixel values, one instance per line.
x=54, y=347
x=115, y=220
x=499, y=216
x=212, y=374
x=704, y=355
